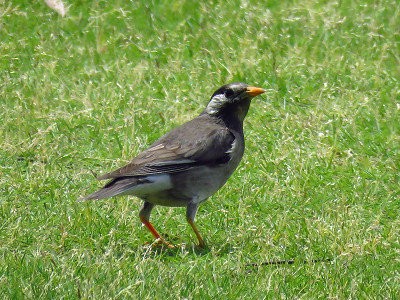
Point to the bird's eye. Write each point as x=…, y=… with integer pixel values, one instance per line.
x=228, y=93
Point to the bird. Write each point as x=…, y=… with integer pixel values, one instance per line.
x=187, y=165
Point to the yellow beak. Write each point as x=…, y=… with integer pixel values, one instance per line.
x=254, y=91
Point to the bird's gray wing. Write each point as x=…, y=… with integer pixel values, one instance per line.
x=197, y=142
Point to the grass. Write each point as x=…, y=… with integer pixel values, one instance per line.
x=320, y=176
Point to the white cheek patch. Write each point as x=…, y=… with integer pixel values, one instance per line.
x=215, y=104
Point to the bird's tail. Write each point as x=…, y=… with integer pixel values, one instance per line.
x=113, y=188
x=132, y=185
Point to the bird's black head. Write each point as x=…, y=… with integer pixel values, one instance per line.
x=232, y=100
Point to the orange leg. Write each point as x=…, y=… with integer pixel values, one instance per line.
x=191, y=211
x=150, y=227
x=154, y=232
x=144, y=218
x=202, y=244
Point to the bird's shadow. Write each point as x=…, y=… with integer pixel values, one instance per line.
x=189, y=249
x=177, y=250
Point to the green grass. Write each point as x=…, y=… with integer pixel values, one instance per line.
x=319, y=180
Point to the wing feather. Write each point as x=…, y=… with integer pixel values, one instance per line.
x=195, y=143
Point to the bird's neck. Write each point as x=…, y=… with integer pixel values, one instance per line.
x=239, y=111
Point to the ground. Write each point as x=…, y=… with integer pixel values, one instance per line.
x=319, y=183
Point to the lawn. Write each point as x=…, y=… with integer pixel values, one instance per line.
x=318, y=187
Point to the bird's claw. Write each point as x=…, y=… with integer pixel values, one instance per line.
x=161, y=242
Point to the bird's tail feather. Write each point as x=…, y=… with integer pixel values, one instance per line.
x=137, y=186
x=113, y=188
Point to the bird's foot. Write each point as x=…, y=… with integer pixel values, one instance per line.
x=161, y=242
x=201, y=247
